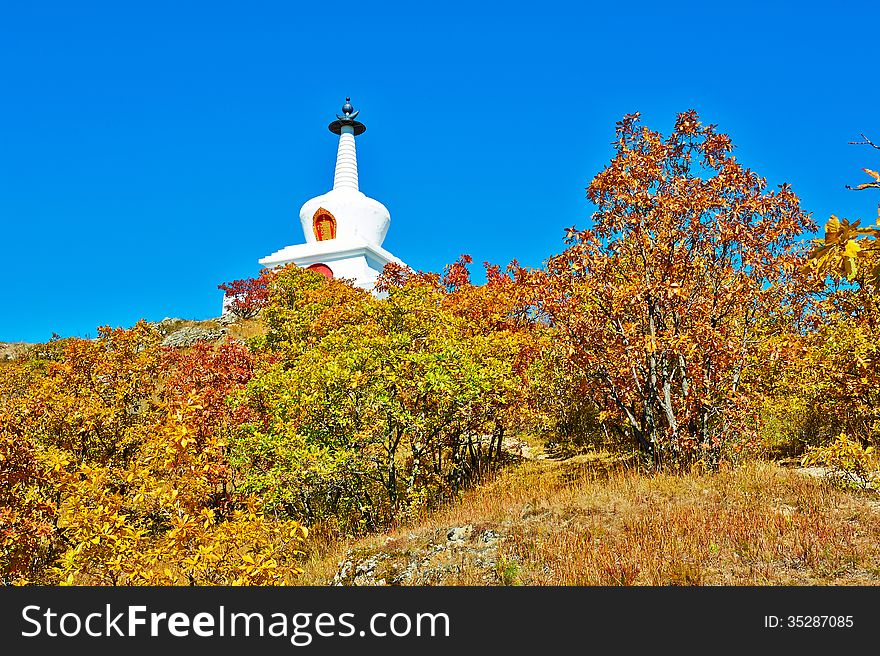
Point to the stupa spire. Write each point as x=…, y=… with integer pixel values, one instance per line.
x=343, y=228
x=346, y=174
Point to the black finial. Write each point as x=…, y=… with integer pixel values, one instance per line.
x=348, y=115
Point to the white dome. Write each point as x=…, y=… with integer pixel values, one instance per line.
x=344, y=229
x=356, y=215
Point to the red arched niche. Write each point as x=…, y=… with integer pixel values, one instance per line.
x=323, y=269
x=324, y=225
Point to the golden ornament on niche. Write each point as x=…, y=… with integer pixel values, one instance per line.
x=324, y=225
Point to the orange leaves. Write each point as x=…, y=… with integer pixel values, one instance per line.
x=456, y=274
x=393, y=276
x=209, y=374
x=687, y=123
x=658, y=305
x=247, y=297
x=27, y=507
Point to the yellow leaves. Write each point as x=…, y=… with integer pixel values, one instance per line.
x=869, y=185
x=832, y=230
x=843, y=254
x=190, y=552
x=58, y=461
x=851, y=249
x=848, y=463
x=138, y=490
x=850, y=264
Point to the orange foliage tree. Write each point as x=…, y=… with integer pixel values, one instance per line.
x=246, y=297
x=661, y=304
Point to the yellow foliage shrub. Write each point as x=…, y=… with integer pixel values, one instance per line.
x=848, y=463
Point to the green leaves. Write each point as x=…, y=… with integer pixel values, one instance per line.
x=376, y=407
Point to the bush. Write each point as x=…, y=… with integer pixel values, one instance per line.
x=849, y=464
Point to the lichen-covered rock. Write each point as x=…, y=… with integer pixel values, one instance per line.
x=444, y=559
x=459, y=533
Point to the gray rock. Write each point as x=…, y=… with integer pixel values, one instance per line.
x=459, y=533
x=489, y=537
x=438, y=562
x=188, y=336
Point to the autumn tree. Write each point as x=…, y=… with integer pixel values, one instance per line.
x=376, y=407
x=28, y=503
x=114, y=468
x=169, y=516
x=660, y=304
x=246, y=297
x=93, y=395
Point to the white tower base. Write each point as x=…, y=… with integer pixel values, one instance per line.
x=354, y=258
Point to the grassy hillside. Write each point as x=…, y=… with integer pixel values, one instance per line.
x=580, y=522
x=342, y=438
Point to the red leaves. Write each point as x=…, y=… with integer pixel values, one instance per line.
x=396, y=276
x=456, y=275
x=249, y=295
x=211, y=373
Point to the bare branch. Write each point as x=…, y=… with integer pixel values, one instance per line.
x=866, y=142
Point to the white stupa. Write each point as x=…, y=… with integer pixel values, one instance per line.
x=344, y=229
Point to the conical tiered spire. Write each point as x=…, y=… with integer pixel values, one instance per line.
x=343, y=228
x=346, y=174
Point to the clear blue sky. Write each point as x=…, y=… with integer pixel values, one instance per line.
x=150, y=151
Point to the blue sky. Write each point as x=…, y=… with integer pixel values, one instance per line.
x=149, y=152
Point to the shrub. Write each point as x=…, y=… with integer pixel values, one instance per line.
x=849, y=464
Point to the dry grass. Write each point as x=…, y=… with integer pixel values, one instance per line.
x=246, y=328
x=575, y=523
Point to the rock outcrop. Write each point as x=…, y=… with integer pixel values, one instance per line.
x=447, y=555
x=190, y=335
